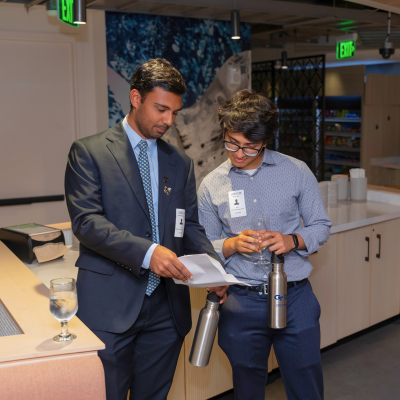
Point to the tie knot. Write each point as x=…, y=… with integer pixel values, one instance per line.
x=142, y=145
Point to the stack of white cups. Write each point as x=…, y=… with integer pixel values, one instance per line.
x=358, y=184
x=332, y=193
x=323, y=186
x=343, y=182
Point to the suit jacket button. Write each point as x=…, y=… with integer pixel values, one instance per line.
x=148, y=234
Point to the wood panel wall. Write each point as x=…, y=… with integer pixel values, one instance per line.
x=345, y=81
x=381, y=127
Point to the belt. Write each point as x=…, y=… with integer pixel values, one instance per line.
x=264, y=287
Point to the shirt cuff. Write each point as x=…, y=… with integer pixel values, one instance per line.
x=218, y=246
x=147, y=257
x=310, y=246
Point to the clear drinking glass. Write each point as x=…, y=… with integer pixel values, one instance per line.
x=63, y=305
x=257, y=224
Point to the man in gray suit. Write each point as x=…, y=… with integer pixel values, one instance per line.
x=127, y=193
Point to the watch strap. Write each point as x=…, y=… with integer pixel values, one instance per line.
x=295, y=240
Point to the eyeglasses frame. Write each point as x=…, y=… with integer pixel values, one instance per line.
x=242, y=148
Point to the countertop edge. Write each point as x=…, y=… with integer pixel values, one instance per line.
x=364, y=222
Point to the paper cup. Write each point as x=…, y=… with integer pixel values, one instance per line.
x=358, y=189
x=323, y=186
x=342, y=181
x=332, y=193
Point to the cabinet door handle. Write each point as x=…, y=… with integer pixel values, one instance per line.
x=379, y=254
x=367, y=258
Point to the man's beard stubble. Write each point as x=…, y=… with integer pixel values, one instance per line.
x=148, y=132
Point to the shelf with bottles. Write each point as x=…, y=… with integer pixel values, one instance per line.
x=335, y=113
x=346, y=128
x=347, y=116
x=342, y=133
x=342, y=144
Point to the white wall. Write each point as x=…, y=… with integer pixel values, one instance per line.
x=53, y=81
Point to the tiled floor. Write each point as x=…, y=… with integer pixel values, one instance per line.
x=365, y=368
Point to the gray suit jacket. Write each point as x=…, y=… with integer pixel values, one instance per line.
x=110, y=217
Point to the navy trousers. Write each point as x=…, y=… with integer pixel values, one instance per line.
x=244, y=336
x=143, y=359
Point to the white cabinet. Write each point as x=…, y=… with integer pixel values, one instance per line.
x=368, y=274
x=323, y=281
x=385, y=270
x=353, y=281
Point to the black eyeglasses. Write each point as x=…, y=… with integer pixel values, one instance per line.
x=249, y=151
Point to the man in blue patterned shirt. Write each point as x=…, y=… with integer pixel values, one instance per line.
x=257, y=182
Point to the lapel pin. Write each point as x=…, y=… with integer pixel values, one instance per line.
x=165, y=179
x=167, y=190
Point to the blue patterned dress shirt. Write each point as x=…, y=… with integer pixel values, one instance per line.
x=152, y=154
x=282, y=188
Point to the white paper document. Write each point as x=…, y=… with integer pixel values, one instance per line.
x=206, y=272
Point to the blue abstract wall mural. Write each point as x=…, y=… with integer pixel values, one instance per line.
x=213, y=65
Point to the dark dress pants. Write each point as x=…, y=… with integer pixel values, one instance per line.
x=244, y=336
x=143, y=359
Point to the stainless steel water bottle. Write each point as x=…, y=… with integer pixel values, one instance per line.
x=205, y=332
x=277, y=293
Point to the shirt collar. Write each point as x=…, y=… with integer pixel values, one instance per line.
x=267, y=159
x=134, y=137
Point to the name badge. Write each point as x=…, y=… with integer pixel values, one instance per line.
x=179, y=222
x=237, y=204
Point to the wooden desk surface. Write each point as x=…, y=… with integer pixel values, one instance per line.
x=27, y=300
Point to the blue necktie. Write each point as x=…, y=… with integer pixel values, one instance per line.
x=144, y=168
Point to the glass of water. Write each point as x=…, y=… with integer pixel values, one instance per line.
x=63, y=305
x=257, y=224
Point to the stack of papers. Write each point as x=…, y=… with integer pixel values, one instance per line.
x=206, y=272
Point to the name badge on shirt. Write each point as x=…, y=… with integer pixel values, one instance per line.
x=237, y=204
x=179, y=222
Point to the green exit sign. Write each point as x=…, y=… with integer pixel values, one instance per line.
x=345, y=49
x=66, y=11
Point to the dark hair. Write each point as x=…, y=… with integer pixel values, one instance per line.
x=157, y=73
x=250, y=113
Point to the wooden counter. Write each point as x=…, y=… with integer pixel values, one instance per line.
x=26, y=299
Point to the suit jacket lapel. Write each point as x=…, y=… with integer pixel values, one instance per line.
x=122, y=151
x=166, y=168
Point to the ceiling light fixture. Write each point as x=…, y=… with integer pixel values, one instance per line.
x=284, y=60
x=80, y=12
x=235, y=25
